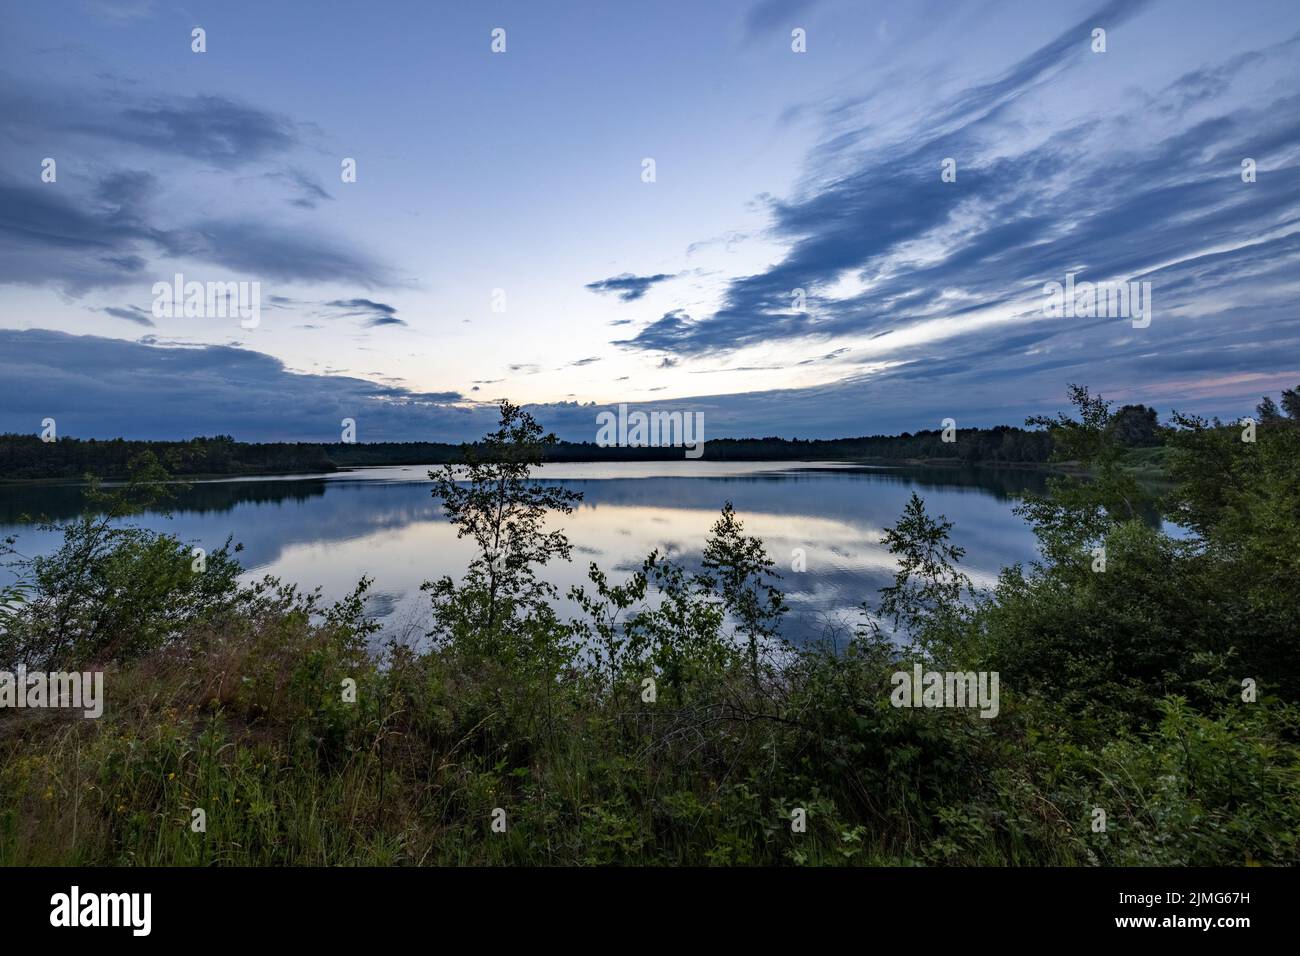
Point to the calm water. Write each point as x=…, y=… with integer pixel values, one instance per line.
x=382, y=522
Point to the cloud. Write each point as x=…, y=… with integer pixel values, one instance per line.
x=310, y=193
x=47, y=236
x=828, y=357
x=672, y=331
x=376, y=314
x=628, y=286
x=362, y=307
x=257, y=248
x=101, y=387
x=210, y=128
x=881, y=245
x=132, y=313
x=105, y=220
x=728, y=241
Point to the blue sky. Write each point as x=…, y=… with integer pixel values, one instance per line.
x=516, y=179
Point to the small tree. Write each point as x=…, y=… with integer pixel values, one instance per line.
x=738, y=566
x=925, y=599
x=1136, y=426
x=680, y=634
x=605, y=622
x=493, y=499
x=1291, y=403
x=1267, y=411
x=1077, y=512
x=111, y=590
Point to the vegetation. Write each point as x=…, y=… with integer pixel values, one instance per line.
x=26, y=457
x=1149, y=676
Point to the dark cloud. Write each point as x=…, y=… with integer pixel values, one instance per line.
x=209, y=129
x=132, y=313
x=375, y=314
x=213, y=129
x=362, y=307
x=99, y=387
x=672, y=331
x=83, y=232
x=48, y=236
x=628, y=286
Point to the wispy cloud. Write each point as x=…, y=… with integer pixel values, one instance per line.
x=107, y=229
x=131, y=313
x=374, y=314
x=308, y=192
x=879, y=243
x=629, y=287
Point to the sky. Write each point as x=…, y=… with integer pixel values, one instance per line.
x=666, y=205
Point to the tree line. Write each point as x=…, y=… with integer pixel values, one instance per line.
x=28, y=457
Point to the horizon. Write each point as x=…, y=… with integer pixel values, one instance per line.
x=852, y=239
x=903, y=433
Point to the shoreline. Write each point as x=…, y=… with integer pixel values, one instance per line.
x=954, y=463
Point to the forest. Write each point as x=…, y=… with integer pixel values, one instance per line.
x=27, y=457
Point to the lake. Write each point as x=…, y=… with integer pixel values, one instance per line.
x=329, y=530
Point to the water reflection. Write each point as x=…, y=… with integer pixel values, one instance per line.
x=329, y=530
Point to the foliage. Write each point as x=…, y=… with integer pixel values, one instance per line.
x=111, y=590
x=740, y=569
x=1122, y=691
x=25, y=457
x=492, y=499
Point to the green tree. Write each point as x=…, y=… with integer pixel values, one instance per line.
x=1136, y=426
x=492, y=498
x=112, y=590
x=926, y=599
x=739, y=567
x=1078, y=510
x=604, y=625
x=1266, y=411
x=1291, y=403
x=681, y=631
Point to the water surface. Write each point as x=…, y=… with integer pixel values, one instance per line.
x=329, y=530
